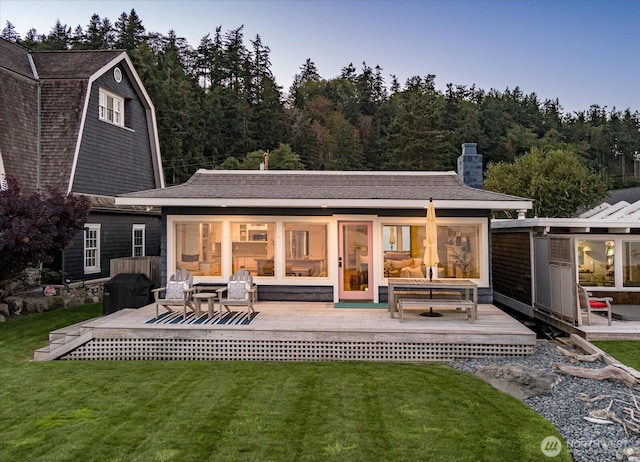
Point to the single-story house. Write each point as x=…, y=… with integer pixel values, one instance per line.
x=324, y=235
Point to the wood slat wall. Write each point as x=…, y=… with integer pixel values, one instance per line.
x=511, y=265
x=149, y=266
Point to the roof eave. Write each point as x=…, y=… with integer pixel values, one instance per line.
x=583, y=225
x=324, y=203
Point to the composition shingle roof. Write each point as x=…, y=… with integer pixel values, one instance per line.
x=72, y=64
x=15, y=59
x=296, y=188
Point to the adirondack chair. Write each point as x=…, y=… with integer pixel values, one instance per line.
x=590, y=304
x=240, y=291
x=177, y=292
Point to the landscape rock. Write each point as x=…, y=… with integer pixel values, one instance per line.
x=4, y=309
x=2, y=318
x=518, y=380
x=16, y=304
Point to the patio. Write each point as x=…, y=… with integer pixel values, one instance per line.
x=625, y=324
x=295, y=331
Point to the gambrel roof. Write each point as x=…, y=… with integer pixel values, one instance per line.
x=242, y=188
x=64, y=79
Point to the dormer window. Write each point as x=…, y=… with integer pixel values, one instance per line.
x=111, y=108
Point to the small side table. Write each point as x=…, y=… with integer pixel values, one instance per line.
x=210, y=297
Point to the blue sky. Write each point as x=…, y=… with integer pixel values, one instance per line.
x=581, y=52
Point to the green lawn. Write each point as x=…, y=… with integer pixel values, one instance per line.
x=625, y=351
x=249, y=411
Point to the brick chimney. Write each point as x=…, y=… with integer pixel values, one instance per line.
x=470, y=166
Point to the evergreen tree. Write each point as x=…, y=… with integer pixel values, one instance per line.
x=308, y=73
x=414, y=139
x=9, y=33
x=32, y=40
x=99, y=34
x=78, y=38
x=180, y=125
x=129, y=31
x=58, y=39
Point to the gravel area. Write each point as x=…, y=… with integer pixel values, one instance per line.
x=587, y=442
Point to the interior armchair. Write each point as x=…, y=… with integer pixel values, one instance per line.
x=402, y=265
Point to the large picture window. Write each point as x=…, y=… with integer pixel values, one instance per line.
x=252, y=248
x=111, y=108
x=305, y=249
x=91, y=248
x=198, y=247
x=458, y=251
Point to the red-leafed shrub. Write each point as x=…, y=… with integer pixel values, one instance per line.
x=33, y=226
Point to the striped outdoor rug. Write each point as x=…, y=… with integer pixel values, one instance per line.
x=233, y=318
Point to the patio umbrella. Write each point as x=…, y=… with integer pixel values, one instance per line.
x=431, y=249
x=431, y=240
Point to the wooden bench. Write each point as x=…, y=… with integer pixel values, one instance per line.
x=424, y=294
x=441, y=302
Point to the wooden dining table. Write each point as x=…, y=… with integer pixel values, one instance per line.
x=420, y=291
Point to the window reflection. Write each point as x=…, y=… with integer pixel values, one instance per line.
x=596, y=263
x=458, y=251
x=253, y=248
x=461, y=251
x=403, y=251
x=305, y=250
x=631, y=264
x=198, y=248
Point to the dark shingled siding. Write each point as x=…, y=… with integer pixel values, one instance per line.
x=18, y=127
x=114, y=160
x=61, y=117
x=115, y=242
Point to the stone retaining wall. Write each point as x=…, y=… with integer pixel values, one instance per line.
x=34, y=301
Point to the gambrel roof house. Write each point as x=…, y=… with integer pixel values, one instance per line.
x=82, y=122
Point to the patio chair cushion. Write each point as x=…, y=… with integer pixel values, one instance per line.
x=238, y=290
x=597, y=304
x=175, y=290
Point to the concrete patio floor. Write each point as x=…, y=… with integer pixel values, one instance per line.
x=298, y=331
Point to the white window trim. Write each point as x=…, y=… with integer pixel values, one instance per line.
x=618, y=252
x=482, y=281
x=89, y=269
x=135, y=228
x=118, y=108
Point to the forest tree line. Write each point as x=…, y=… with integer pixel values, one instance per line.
x=218, y=105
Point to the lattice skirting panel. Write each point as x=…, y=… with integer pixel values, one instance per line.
x=284, y=350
